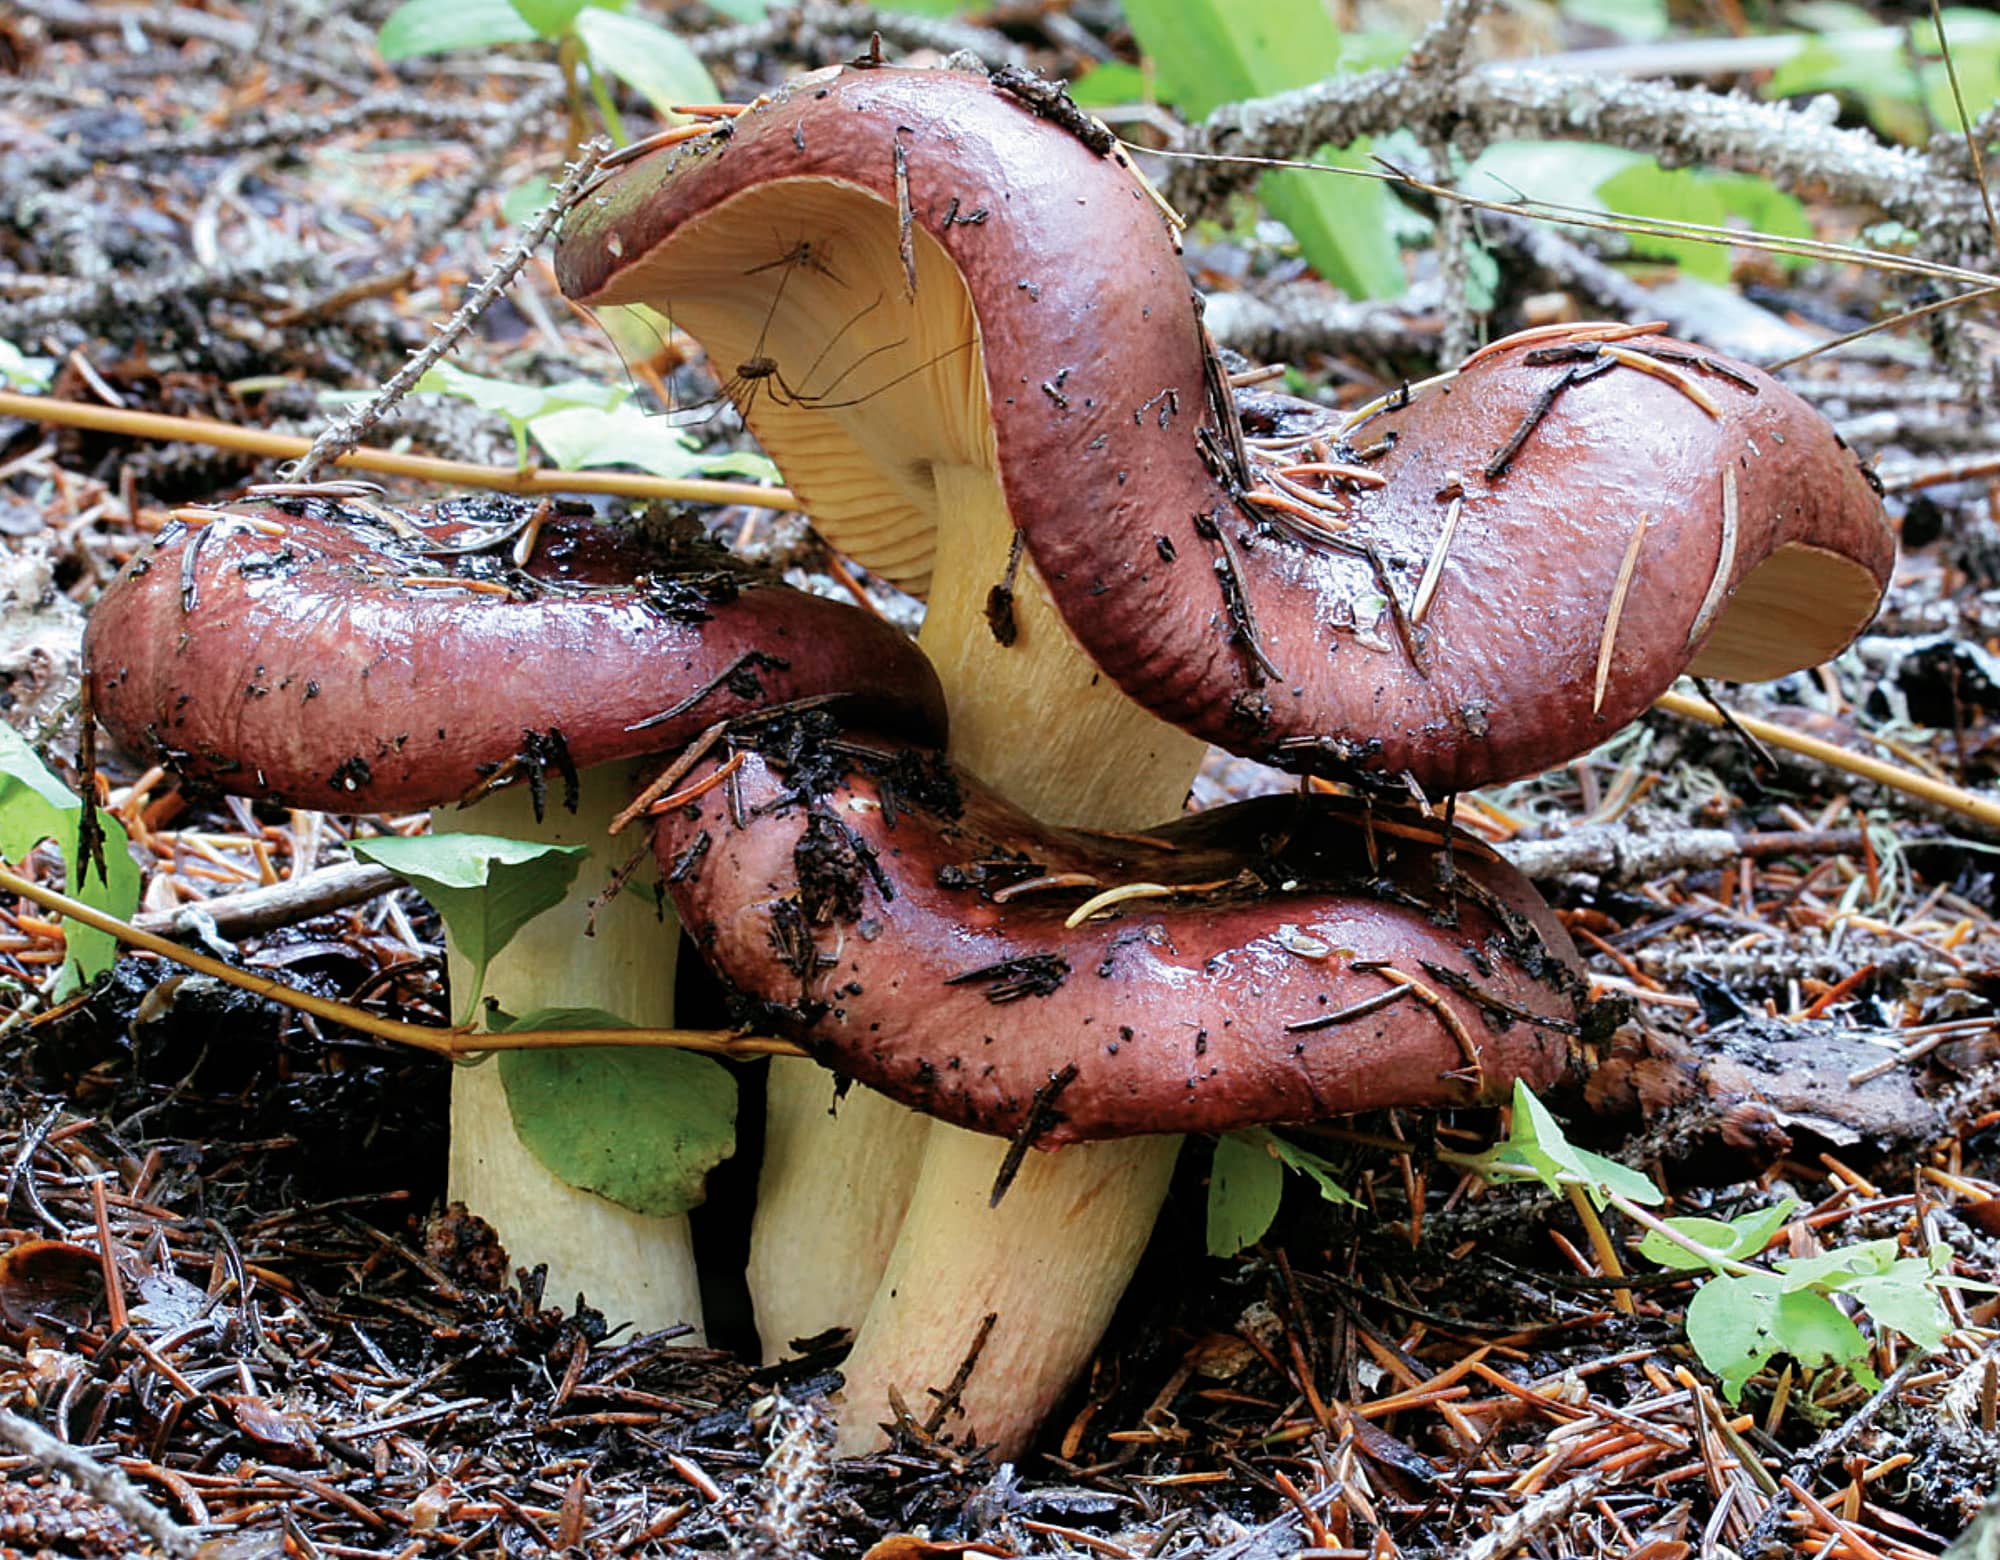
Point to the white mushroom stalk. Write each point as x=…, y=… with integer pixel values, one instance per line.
x=615, y=955
x=836, y=1178
x=1039, y=723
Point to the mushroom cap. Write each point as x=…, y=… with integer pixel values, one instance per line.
x=895, y=918
x=283, y=652
x=913, y=273
x=1665, y=511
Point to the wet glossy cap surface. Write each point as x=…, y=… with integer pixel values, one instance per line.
x=909, y=928
x=324, y=659
x=1471, y=587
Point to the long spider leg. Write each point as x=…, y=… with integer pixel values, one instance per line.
x=822, y=404
x=742, y=392
x=791, y=264
x=818, y=397
x=698, y=417
x=835, y=339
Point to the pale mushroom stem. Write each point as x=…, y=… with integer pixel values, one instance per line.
x=633, y=1267
x=1041, y=724
x=835, y=1180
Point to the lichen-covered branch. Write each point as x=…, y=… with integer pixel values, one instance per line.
x=1439, y=56
x=1291, y=321
x=124, y=293
x=1799, y=148
x=66, y=165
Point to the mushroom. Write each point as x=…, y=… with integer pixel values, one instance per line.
x=949, y=304
x=350, y=657
x=1242, y=966
x=1279, y=960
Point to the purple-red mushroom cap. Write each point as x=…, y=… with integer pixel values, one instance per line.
x=916, y=283
x=320, y=657
x=1279, y=960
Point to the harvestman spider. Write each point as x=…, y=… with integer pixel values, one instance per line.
x=760, y=371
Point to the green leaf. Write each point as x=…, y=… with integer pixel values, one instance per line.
x=655, y=63
x=1546, y=170
x=1244, y=1189
x=1685, y=195
x=1671, y=195
x=1834, y=63
x=36, y=806
x=741, y=10
x=1814, y=1331
x=1739, y=1324
x=1762, y=206
x=1610, y=179
x=1603, y=1176
x=525, y=199
x=1536, y=1150
x=550, y=18
x=640, y=1125
x=1831, y=1269
x=1311, y=1165
x=18, y=371
x=485, y=886
x=1751, y=1232
x=630, y=436
x=1740, y=1238
x=1903, y=1299
x=1897, y=89
x=1636, y=21
x=439, y=26
x=1712, y=1233
x=1209, y=52
x=519, y=404
x=1975, y=50
x=1107, y=84
x=1730, y=1322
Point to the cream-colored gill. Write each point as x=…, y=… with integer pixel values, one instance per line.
x=857, y=388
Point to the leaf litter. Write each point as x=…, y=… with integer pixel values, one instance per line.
x=227, y=1272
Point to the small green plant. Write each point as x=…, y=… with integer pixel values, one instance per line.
x=640, y=1126
x=1628, y=184
x=593, y=38
x=1247, y=1182
x=1743, y=1316
x=1209, y=52
x=36, y=806
x=18, y=371
x=1900, y=82
x=521, y=405
x=486, y=887
x=581, y=423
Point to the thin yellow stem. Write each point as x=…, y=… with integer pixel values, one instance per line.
x=1600, y=1243
x=428, y=468
x=455, y=1043
x=1981, y=809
